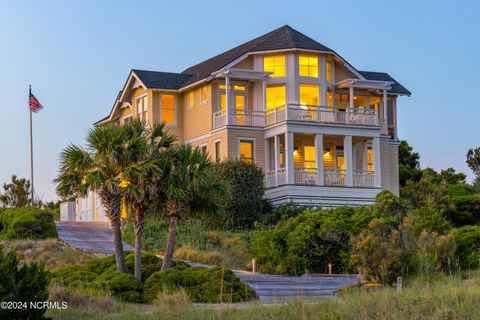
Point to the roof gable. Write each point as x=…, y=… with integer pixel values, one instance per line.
x=282, y=38
x=162, y=80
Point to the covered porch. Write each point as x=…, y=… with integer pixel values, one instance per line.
x=241, y=98
x=323, y=160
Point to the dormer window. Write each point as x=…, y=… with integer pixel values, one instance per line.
x=275, y=64
x=308, y=66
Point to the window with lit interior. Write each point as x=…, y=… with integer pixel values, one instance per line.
x=276, y=96
x=142, y=108
x=246, y=151
x=274, y=64
x=168, y=109
x=309, y=94
x=308, y=66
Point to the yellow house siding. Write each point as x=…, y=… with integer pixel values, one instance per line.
x=389, y=165
x=246, y=63
x=210, y=142
x=197, y=120
x=177, y=129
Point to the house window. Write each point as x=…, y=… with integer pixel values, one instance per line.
x=217, y=151
x=168, y=109
x=246, y=151
x=308, y=66
x=275, y=64
x=142, y=108
x=190, y=100
x=203, y=149
x=340, y=158
x=370, y=159
x=276, y=96
x=236, y=88
x=309, y=156
x=309, y=94
x=127, y=119
x=329, y=71
x=203, y=94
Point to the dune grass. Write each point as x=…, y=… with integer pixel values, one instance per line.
x=196, y=242
x=52, y=252
x=447, y=297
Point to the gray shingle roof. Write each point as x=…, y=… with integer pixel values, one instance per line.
x=282, y=38
x=162, y=80
x=382, y=76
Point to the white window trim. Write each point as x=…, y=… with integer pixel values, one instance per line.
x=127, y=117
x=190, y=104
x=254, y=140
x=146, y=102
x=215, y=150
x=174, y=124
x=204, y=102
x=204, y=145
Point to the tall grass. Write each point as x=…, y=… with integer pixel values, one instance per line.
x=448, y=297
x=196, y=242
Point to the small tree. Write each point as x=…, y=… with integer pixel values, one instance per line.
x=247, y=189
x=141, y=177
x=26, y=283
x=189, y=186
x=100, y=168
x=17, y=192
x=409, y=163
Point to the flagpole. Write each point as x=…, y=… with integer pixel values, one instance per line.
x=31, y=148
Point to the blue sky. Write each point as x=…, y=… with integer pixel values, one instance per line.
x=77, y=55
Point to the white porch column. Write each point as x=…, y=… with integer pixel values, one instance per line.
x=347, y=147
x=376, y=162
x=319, y=158
x=385, y=104
x=268, y=146
x=323, y=80
x=264, y=101
x=276, y=154
x=227, y=100
x=350, y=105
x=289, y=157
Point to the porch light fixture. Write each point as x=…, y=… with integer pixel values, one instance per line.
x=295, y=150
x=327, y=151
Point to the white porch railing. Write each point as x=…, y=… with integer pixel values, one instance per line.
x=306, y=176
x=248, y=118
x=364, y=179
x=331, y=177
x=295, y=112
x=334, y=177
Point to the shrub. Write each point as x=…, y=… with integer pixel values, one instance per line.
x=27, y=222
x=246, y=187
x=463, y=210
x=467, y=239
x=210, y=285
x=123, y=286
x=283, y=212
x=74, y=276
x=26, y=283
x=308, y=242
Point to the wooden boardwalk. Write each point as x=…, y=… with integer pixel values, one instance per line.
x=97, y=237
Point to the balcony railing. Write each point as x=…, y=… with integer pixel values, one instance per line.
x=310, y=113
x=364, y=179
x=306, y=176
x=334, y=177
x=248, y=118
x=331, y=177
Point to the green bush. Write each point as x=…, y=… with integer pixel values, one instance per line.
x=209, y=285
x=246, y=187
x=26, y=283
x=123, y=286
x=308, y=242
x=463, y=210
x=27, y=222
x=283, y=212
x=467, y=239
x=74, y=276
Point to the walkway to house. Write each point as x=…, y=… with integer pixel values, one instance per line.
x=92, y=236
x=97, y=237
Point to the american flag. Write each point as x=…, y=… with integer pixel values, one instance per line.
x=34, y=104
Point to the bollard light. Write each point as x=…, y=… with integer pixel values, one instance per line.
x=254, y=266
x=329, y=268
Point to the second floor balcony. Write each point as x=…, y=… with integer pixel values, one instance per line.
x=248, y=118
x=320, y=114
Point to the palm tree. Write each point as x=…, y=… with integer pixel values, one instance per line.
x=189, y=186
x=142, y=176
x=100, y=168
